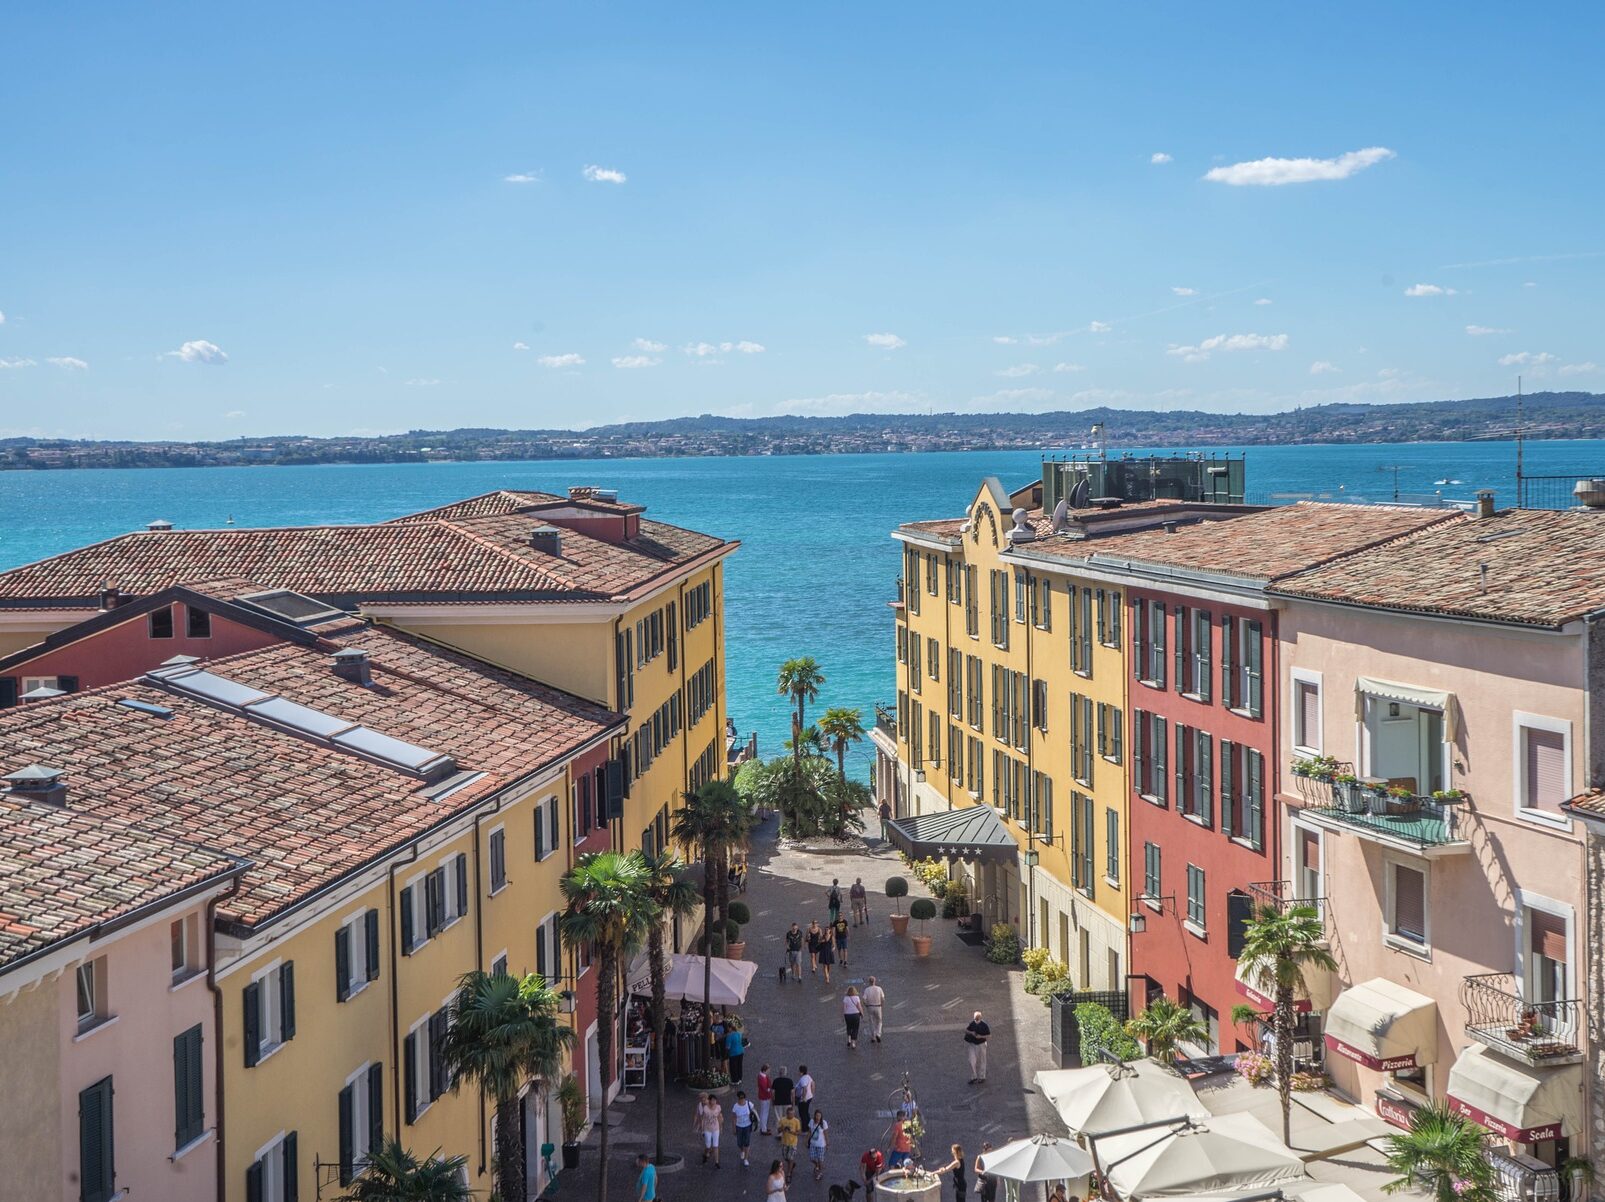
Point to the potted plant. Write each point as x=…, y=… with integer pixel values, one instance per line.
x=1449, y=797
x=1350, y=796
x=897, y=888
x=1401, y=800
x=735, y=942
x=712, y=944
x=923, y=910
x=571, y=1111
x=709, y=1080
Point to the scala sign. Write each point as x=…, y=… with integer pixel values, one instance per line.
x=1518, y=1135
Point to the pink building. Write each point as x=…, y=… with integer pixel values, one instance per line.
x=1452, y=666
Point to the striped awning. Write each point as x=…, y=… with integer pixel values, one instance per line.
x=973, y=833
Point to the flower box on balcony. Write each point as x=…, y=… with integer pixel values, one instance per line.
x=1399, y=800
x=1350, y=793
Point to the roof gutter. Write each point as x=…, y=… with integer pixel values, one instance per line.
x=1468, y=619
x=216, y=991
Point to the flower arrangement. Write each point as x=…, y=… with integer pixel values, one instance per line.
x=1305, y=1082
x=1255, y=1067
x=1449, y=797
x=708, y=1078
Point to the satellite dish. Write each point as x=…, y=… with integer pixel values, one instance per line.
x=1061, y=516
x=1080, y=494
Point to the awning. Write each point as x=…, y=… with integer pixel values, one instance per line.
x=682, y=982
x=1387, y=690
x=1383, y=1026
x=1522, y=1104
x=1228, y=1152
x=972, y=833
x=1316, y=994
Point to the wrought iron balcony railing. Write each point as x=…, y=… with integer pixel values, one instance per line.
x=886, y=721
x=1539, y=1033
x=1333, y=793
x=1281, y=895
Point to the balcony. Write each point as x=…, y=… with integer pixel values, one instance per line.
x=1542, y=1034
x=886, y=721
x=1281, y=895
x=899, y=596
x=1332, y=796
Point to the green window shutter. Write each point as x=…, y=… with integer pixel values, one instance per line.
x=1228, y=785
x=347, y=1153
x=1228, y=635
x=97, y=1174
x=370, y=926
x=407, y=935
x=253, y=1182
x=410, y=1076
x=287, y=1001
x=376, y=1108
x=462, y=871
x=253, y=1023
x=342, y=963
x=292, y=1170
x=189, y=1107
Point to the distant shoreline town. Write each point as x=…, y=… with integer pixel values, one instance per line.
x=1545, y=415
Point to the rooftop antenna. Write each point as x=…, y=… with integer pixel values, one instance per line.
x=1394, y=468
x=1521, y=497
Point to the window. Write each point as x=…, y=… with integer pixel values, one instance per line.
x=1242, y=793
x=362, y=1109
x=1043, y=605
x=431, y=903
x=1152, y=886
x=972, y=603
x=1148, y=642
x=1110, y=720
x=976, y=702
x=1111, y=849
x=1405, y=919
x=698, y=605
x=997, y=610
x=583, y=793
x=1109, y=603
x=544, y=822
x=1081, y=843
x=911, y=580
x=916, y=738
x=161, y=623
x=1543, y=771
x=955, y=682
x=356, y=954
x=935, y=720
x=97, y=1172
x=916, y=662
x=92, y=999
x=1022, y=586
x=424, y=1073
x=930, y=574
x=548, y=951
x=189, y=1095
x=1039, y=705
x=1193, y=664
x=1081, y=612
x=197, y=623
x=1307, y=712
x=954, y=577
x=269, y=1011
x=1242, y=683
x=955, y=753
x=1195, y=897
x=1042, y=793
x=1151, y=735
x=933, y=660
x=1081, y=738
x=1307, y=864
x=498, y=859
x=975, y=769
x=273, y=1177
x=1194, y=774
x=626, y=669
x=498, y=966
x=1544, y=964
x=184, y=937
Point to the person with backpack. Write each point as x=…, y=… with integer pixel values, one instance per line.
x=833, y=900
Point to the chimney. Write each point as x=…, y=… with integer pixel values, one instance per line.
x=1170, y=526
x=159, y=525
x=351, y=663
x=1485, y=503
x=38, y=783
x=581, y=492
x=110, y=597
x=547, y=539
x=1482, y=577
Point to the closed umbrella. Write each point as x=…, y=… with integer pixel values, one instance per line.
x=1103, y=1097
x=1225, y=1152
x=1041, y=1158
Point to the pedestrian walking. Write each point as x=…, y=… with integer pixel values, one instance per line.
x=735, y=1049
x=976, y=1035
x=1058, y=1194
x=794, y=947
x=870, y=1165
x=840, y=933
x=859, y=898
x=874, y=1008
x=789, y=1128
x=852, y=1014
x=886, y=821
x=785, y=1090
x=807, y=1091
x=708, y=1122
x=958, y=1167
x=815, y=938
x=745, y=1116
x=988, y=1184
x=766, y=1098
x=775, y=1187
x=818, y=1141
x=833, y=900
x=827, y=953
x=647, y=1179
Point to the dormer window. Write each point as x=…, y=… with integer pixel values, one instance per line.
x=161, y=623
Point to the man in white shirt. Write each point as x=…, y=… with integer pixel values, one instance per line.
x=805, y=1091
x=874, y=1008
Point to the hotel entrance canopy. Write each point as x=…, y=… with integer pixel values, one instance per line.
x=1511, y=1099
x=1383, y=1026
x=974, y=833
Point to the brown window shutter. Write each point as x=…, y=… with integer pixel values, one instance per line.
x=1548, y=934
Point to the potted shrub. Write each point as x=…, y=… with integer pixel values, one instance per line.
x=571, y=1112
x=896, y=889
x=1348, y=793
x=1401, y=800
x=735, y=942
x=923, y=910
x=1004, y=946
x=1449, y=797
x=711, y=945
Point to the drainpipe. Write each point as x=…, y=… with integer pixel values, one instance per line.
x=394, y=924
x=1030, y=748
x=479, y=938
x=217, y=1028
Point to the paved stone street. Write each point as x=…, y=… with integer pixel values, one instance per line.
x=929, y=1002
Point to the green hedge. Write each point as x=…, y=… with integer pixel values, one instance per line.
x=1100, y=1032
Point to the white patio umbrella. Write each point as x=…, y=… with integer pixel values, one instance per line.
x=1042, y=1158
x=1104, y=1097
x=1226, y=1152
x=728, y=983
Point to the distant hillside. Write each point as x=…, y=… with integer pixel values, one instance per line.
x=1544, y=415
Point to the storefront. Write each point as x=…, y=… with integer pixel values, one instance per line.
x=1539, y=1111
x=1384, y=1027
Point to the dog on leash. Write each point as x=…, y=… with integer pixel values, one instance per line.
x=782, y=974
x=844, y=1193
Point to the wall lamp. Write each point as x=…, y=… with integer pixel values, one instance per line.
x=1139, y=920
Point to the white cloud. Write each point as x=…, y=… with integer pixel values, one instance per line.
x=603, y=175
x=2, y=319
x=568, y=360
x=199, y=351
x=1322, y=368
x=1099, y=327
x=70, y=363
x=5, y=363
x=1578, y=369
x=1530, y=284
x=1428, y=290
x=1019, y=370
x=649, y=347
x=886, y=342
x=701, y=350
x=750, y=348
x=522, y=177
x=635, y=361
x=236, y=414
x=1264, y=300
x=1484, y=331
x=1159, y=157
x=1185, y=291
x=1229, y=342
x=422, y=382
x=1526, y=359
x=521, y=346
x=1005, y=339
x=1068, y=367
x=1267, y=173
x=855, y=402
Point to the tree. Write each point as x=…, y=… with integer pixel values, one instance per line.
x=810, y=742
x=609, y=910
x=1443, y=1152
x=1278, y=945
x=842, y=727
x=671, y=894
x=714, y=821
x=1162, y=1025
x=504, y=1033
x=396, y=1175
x=800, y=679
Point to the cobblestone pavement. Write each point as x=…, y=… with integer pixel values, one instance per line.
x=929, y=1002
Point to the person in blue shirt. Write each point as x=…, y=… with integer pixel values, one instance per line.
x=648, y=1180
x=735, y=1047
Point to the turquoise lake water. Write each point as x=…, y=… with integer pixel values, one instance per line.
x=816, y=567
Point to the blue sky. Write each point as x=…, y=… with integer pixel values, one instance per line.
x=223, y=220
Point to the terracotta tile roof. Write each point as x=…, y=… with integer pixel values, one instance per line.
x=488, y=556
x=1084, y=519
x=63, y=871
x=1590, y=804
x=1259, y=546
x=304, y=813
x=513, y=500
x=1544, y=568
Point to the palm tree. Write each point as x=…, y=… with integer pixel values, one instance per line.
x=608, y=909
x=809, y=742
x=842, y=727
x=504, y=1033
x=800, y=679
x=1279, y=944
x=714, y=821
x=1162, y=1025
x=1443, y=1152
x=396, y=1175
x=671, y=894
